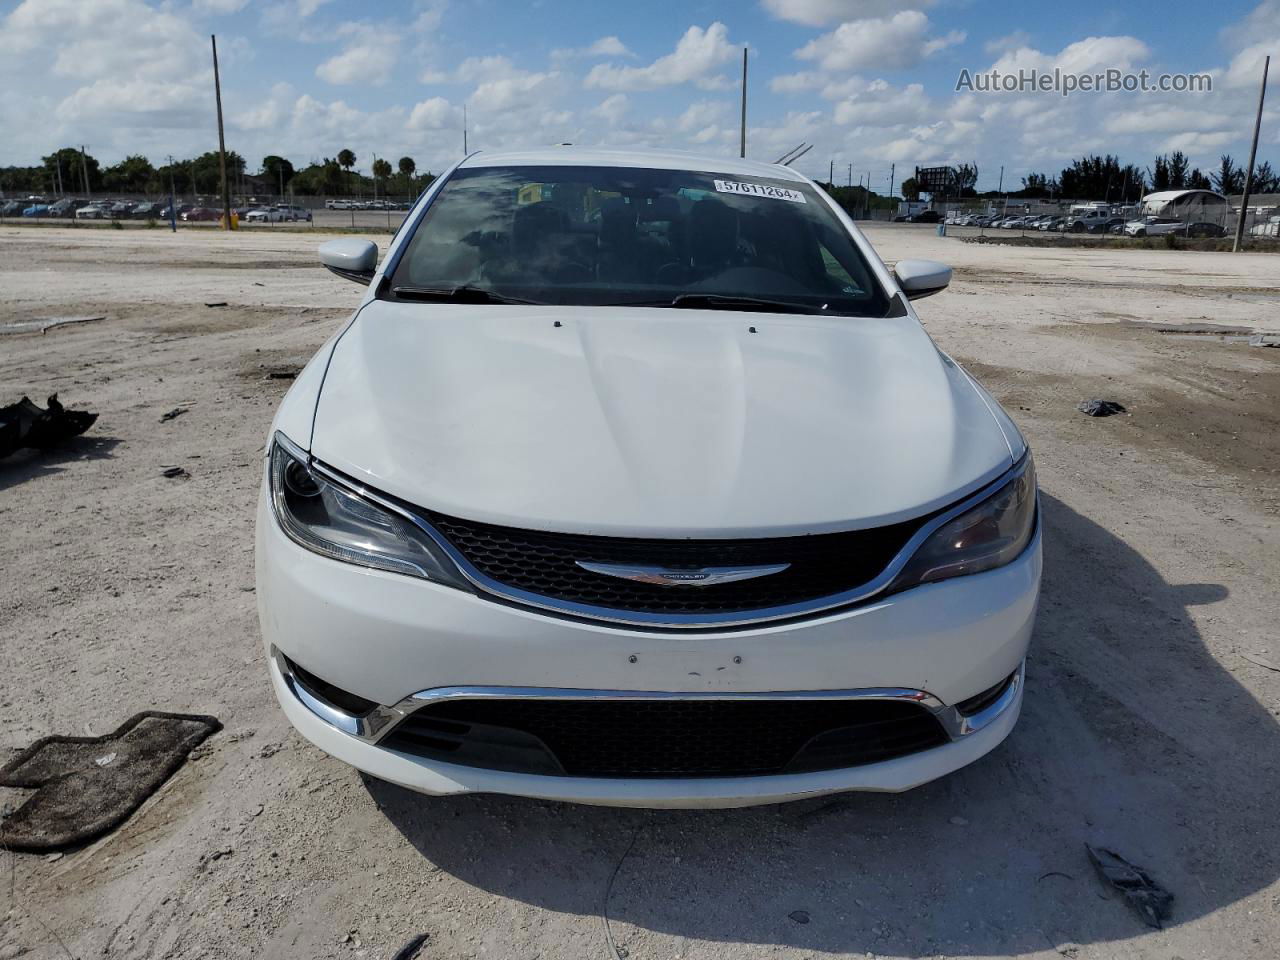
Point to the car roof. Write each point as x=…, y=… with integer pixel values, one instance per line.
x=570, y=156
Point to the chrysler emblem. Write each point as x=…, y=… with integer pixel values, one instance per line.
x=668, y=577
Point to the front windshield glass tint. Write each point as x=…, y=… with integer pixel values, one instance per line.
x=618, y=235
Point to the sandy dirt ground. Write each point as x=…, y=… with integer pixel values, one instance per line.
x=1147, y=727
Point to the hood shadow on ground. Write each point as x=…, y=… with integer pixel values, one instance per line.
x=1132, y=737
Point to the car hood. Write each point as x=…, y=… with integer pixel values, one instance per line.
x=659, y=422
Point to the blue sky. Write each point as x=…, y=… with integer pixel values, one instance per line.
x=869, y=82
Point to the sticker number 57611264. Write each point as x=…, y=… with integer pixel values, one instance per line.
x=759, y=190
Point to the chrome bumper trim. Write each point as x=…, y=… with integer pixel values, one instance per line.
x=374, y=725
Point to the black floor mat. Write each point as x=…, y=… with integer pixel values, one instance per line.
x=87, y=786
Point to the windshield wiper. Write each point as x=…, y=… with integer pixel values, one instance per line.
x=462, y=294
x=721, y=301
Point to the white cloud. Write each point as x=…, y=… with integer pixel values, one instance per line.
x=1166, y=118
x=878, y=104
x=435, y=113
x=819, y=13
x=701, y=114
x=501, y=86
x=698, y=54
x=795, y=82
x=612, y=108
x=609, y=47
x=218, y=7
x=892, y=43
x=1084, y=56
x=1010, y=41
x=369, y=57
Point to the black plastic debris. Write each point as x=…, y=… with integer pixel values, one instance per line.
x=24, y=424
x=87, y=786
x=1152, y=902
x=173, y=414
x=799, y=916
x=1100, y=408
x=411, y=948
x=174, y=472
x=217, y=303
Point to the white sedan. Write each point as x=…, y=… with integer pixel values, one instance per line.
x=635, y=480
x=1153, y=226
x=266, y=215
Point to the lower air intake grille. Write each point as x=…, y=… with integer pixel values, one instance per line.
x=666, y=738
x=546, y=564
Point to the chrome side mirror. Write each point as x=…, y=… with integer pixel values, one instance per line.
x=350, y=258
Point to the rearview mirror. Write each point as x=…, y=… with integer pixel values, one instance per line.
x=350, y=258
x=921, y=278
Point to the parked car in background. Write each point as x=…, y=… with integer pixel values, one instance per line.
x=202, y=215
x=1087, y=221
x=94, y=210
x=1203, y=230
x=1052, y=223
x=265, y=215
x=293, y=211
x=925, y=216
x=36, y=210
x=165, y=213
x=12, y=208
x=146, y=211
x=1152, y=226
x=1106, y=225
x=66, y=207
x=121, y=209
x=659, y=612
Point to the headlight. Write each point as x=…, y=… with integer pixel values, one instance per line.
x=338, y=523
x=988, y=535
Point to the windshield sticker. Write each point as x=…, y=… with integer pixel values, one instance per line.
x=759, y=190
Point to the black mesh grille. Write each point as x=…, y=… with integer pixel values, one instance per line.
x=656, y=738
x=545, y=563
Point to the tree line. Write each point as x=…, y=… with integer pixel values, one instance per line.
x=70, y=171
x=1103, y=177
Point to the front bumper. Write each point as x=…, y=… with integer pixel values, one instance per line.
x=397, y=640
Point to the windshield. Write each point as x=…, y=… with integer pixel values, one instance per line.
x=629, y=236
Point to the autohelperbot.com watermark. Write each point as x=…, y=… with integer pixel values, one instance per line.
x=1065, y=83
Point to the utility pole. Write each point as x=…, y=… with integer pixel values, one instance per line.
x=222, y=143
x=851, y=176
x=1000, y=190
x=84, y=172
x=1253, y=153
x=58, y=160
x=831, y=173
x=464, y=129
x=742, y=133
x=374, y=170
x=893, y=168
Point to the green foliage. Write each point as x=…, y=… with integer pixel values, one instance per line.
x=407, y=167
x=133, y=174
x=278, y=170
x=73, y=165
